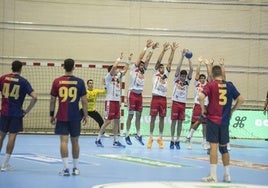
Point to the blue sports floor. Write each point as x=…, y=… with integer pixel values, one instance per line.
x=37, y=161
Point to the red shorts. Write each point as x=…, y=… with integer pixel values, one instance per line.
x=196, y=114
x=158, y=105
x=134, y=102
x=178, y=111
x=112, y=110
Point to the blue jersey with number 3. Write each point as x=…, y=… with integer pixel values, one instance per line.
x=220, y=95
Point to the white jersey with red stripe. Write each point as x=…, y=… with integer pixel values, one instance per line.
x=160, y=83
x=136, y=80
x=112, y=84
x=199, y=88
x=180, y=90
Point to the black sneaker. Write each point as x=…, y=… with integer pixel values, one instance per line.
x=65, y=172
x=139, y=138
x=128, y=141
x=171, y=146
x=177, y=145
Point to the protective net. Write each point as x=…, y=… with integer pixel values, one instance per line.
x=41, y=76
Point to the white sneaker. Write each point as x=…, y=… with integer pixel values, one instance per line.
x=105, y=135
x=209, y=179
x=7, y=167
x=76, y=172
x=189, y=145
x=227, y=178
x=205, y=145
x=228, y=147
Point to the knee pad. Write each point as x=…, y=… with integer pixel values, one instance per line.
x=223, y=149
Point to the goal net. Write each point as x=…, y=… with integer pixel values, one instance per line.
x=41, y=76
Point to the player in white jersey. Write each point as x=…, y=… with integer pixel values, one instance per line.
x=112, y=101
x=199, y=83
x=179, y=98
x=159, y=93
x=136, y=86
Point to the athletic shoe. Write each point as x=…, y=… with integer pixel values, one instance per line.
x=227, y=178
x=128, y=141
x=189, y=146
x=177, y=145
x=209, y=179
x=98, y=143
x=118, y=145
x=76, y=171
x=160, y=143
x=7, y=167
x=64, y=172
x=187, y=139
x=139, y=138
x=150, y=143
x=171, y=146
x=228, y=147
x=205, y=145
x=105, y=135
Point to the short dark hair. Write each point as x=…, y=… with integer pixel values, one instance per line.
x=110, y=68
x=202, y=75
x=16, y=66
x=216, y=71
x=183, y=72
x=141, y=62
x=89, y=80
x=68, y=65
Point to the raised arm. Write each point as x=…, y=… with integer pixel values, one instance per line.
x=125, y=68
x=210, y=62
x=177, y=73
x=149, y=55
x=221, y=62
x=190, y=69
x=113, y=70
x=149, y=43
x=174, y=46
x=165, y=48
x=197, y=71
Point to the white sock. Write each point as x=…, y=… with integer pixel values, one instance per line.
x=65, y=162
x=6, y=159
x=227, y=170
x=127, y=133
x=75, y=163
x=213, y=170
x=191, y=133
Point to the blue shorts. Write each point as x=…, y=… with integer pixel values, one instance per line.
x=72, y=128
x=11, y=124
x=217, y=133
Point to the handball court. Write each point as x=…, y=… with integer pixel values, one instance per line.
x=36, y=161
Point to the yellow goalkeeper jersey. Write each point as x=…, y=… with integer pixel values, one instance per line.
x=92, y=98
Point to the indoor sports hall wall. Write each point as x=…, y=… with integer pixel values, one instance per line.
x=96, y=32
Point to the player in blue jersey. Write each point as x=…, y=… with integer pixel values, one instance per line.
x=220, y=94
x=69, y=90
x=13, y=88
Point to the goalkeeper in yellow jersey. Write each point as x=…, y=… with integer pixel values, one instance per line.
x=92, y=95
